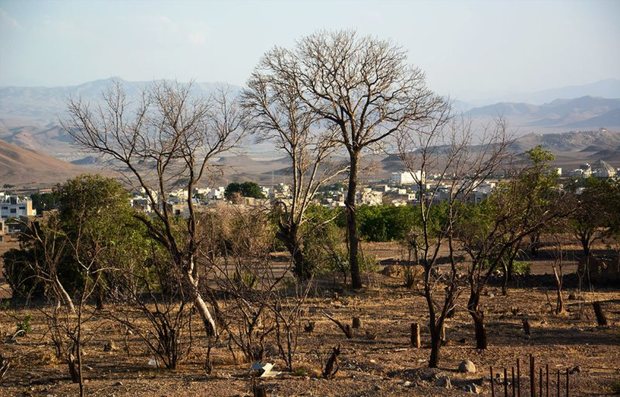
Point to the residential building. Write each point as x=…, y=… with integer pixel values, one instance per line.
x=12, y=206
x=407, y=177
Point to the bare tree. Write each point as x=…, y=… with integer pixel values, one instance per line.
x=361, y=86
x=446, y=150
x=278, y=113
x=69, y=311
x=164, y=141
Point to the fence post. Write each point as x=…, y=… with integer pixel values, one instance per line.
x=415, y=335
x=518, y=377
x=532, y=377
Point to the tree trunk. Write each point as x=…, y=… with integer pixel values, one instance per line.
x=435, y=347
x=353, y=240
x=481, y=332
x=64, y=294
x=507, y=276
x=201, y=306
x=477, y=316
x=585, y=245
x=288, y=236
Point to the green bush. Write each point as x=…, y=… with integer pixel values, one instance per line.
x=23, y=326
x=521, y=268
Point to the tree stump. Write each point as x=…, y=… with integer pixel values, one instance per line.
x=415, y=335
x=356, y=323
x=526, y=327
x=259, y=391
x=331, y=367
x=601, y=319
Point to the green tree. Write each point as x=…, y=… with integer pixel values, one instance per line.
x=245, y=189
x=45, y=201
x=522, y=205
x=597, y=213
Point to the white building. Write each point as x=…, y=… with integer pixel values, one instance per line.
x=15, y=207
x=407, y=177
x=369, y=197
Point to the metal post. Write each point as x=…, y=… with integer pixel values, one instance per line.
x=532, y=377
x=540, y=379
x=547, y=366
x=518, y=377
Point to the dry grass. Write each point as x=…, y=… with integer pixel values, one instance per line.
x=368, y=367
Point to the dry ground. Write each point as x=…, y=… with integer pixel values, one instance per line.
x=384, y=366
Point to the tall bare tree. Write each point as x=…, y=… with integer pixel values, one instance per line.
x=459, y=163
x=277, y=113
x=361, y=86
x=163, y=142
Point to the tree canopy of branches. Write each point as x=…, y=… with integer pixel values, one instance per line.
x=278, y=113
x=597, y=214
x=446, y=149
x=362, y=88
x=162, y=142
x=518, y=207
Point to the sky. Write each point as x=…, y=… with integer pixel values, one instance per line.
x=468, y=49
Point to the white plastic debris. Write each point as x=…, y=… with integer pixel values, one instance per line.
x=263, y=370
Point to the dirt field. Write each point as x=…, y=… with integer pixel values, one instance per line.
x=378, y=361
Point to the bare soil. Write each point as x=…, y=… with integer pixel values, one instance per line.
x=377, y=361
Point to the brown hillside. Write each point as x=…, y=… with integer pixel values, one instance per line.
x=24, y=167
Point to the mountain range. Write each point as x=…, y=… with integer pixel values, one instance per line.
x=30, y=120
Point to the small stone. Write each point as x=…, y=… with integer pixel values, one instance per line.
x=466, y=366
x=444, y=381
x=407, y=384
x=473, y=388
x=109, y=346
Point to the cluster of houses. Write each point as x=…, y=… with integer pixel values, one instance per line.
x=402, y=188
x=600, y=169
x=13, y=207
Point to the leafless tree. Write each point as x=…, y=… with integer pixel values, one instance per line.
x=69, y=312
x=164, y=141
x=361, y=86
x=448, y=150
x=277, y=113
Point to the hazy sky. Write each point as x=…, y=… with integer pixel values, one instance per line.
x=468, y=49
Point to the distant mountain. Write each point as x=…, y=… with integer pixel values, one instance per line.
x=609, y=88
x=50, y=103
x=27, y=167
x=30, y=116
x=559, y=115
